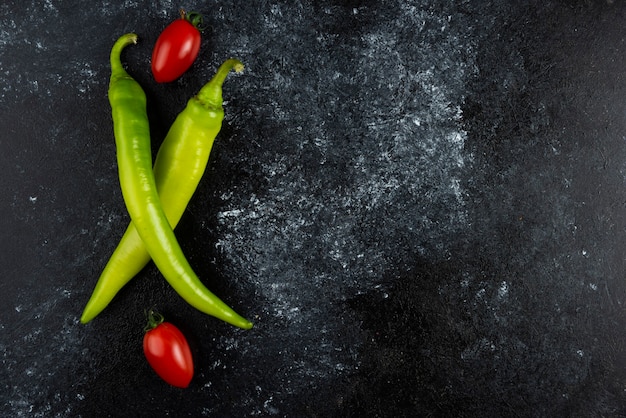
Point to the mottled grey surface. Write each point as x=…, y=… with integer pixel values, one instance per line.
x=420, y=204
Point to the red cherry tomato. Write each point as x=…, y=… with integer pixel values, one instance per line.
x=167, y=351
x=176, y=48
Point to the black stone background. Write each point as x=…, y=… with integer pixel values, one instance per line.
x=419, y=203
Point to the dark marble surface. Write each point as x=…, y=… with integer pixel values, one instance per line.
x=421, y=205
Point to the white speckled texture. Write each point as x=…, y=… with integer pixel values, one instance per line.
x=368, y=178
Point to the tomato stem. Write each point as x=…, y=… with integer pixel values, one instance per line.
x=195, y=18
x=154, y=319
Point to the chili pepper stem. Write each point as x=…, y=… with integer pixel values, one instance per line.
x=117, y=69
x=210, y=95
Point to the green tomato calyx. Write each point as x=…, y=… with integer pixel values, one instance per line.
x=154, y=320
x=195, y=18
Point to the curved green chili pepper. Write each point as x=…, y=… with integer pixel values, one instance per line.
x=178, y=168
x=139, y=188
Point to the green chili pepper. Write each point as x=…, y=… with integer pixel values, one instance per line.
x=178, y=168
x=139, y=187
